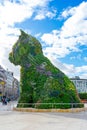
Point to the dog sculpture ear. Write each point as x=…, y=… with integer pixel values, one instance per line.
x=23, y=33
x=32, y=43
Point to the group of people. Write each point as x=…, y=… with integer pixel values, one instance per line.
x=5, y=100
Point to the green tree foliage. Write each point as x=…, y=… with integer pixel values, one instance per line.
x=83, y=95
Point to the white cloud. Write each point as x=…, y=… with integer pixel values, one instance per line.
x=67, y=13
x=6, y=64
x=77, y=57
x=85, y=58
x=41, y=3
x=69, y=69
x=76, y=25
x=69, y=38
x=41, y=14
x=59, y=43
x=8, y=36
x=17, y=11
x=12, y=12
x=84, y=76
x=72, y=34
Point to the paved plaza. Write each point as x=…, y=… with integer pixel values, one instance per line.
x=12, y=120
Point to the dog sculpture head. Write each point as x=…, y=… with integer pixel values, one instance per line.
x=26, y=45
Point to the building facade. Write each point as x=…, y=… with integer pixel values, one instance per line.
x=12, y=86
x=2, y=81
x=15, y=88
x=9, y=86
x=9, y=83
x=81, y=84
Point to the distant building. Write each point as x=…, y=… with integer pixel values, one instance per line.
x=9, y=86
x=81, y=84
x=15, y=88
x=9, y=83
x=2, y=81
x=12, y=86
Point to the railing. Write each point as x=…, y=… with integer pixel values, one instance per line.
x=50, y=105
x=11, y=105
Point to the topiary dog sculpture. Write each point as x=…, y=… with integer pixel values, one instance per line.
x=40, y=80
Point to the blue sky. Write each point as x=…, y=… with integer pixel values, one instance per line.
x=60, y=26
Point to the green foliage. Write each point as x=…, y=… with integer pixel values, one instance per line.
x=83, y=95
x=40, y=81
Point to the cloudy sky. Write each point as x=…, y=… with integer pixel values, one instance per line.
x=60, y=25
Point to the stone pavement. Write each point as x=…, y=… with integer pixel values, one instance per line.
x=12, y=120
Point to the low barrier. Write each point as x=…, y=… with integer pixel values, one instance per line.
x=33, y=107
x=53, y=107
